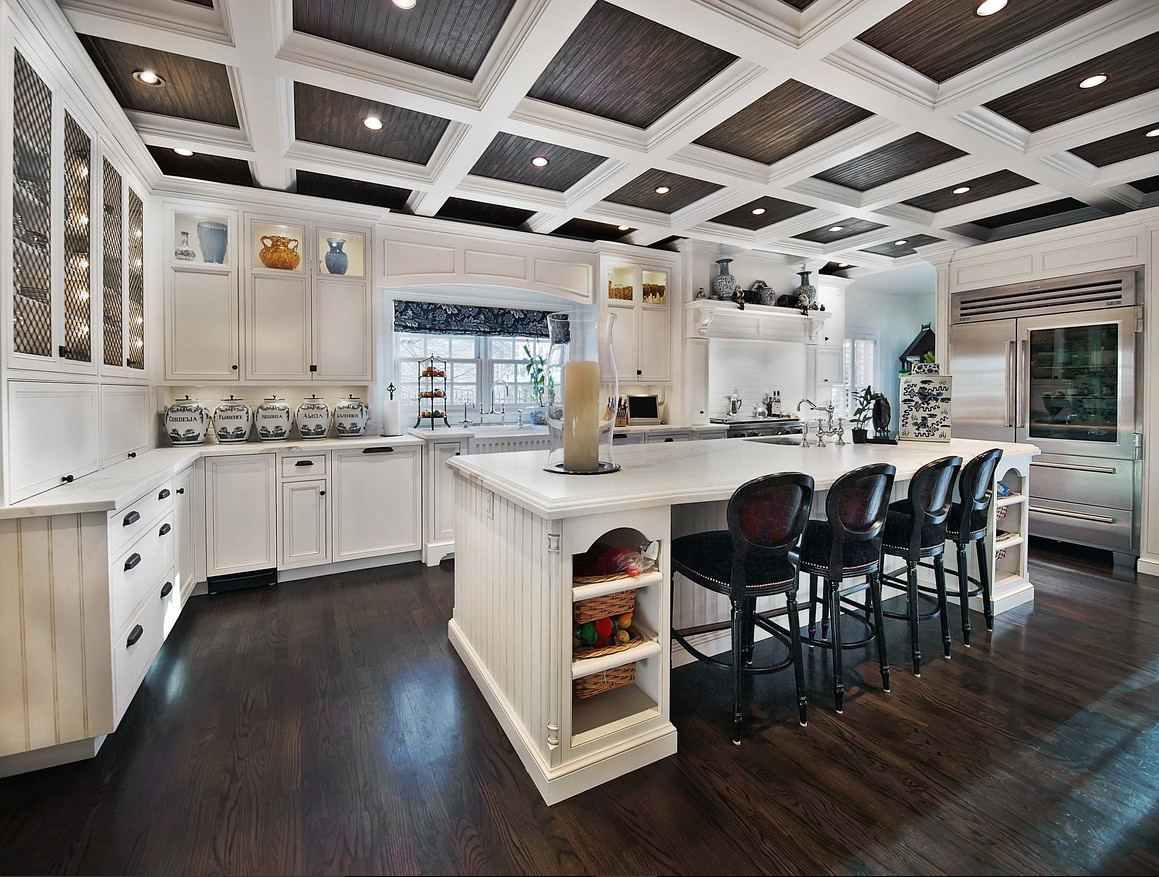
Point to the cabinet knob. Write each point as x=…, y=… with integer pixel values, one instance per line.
x=181, y=490
x=67, y=479
x=134, y=635
x=313, y=368
x=132, y=455
x=234, y=367
x=63, y=351
x=321, y=493
x=639, y=372
x=166, y=590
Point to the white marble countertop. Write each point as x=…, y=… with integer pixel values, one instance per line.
x=683, y=472
x=120, y=485
x=496, y=429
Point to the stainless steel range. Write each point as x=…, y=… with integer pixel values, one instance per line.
x=790, y=429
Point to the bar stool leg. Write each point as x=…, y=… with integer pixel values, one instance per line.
x=833, y=593
x=964, y=594
x=825, y=610
x=750, y=625
x=812, y=605
x=984, y=578
x=737, y=668
x=943, y=611
x=798, y=665
x=912, y=606
x=879, y=629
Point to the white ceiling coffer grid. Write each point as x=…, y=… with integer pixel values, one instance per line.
x=773, y=43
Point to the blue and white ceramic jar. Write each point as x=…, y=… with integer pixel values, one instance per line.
x=273, y=419
x=232, y=420
x=186, y=422
x=350, y=417
x=337, y=261
x=313, y=418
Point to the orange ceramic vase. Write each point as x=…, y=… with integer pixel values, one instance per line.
x=279, y=252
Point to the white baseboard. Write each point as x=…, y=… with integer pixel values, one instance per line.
x=50, y=756
x=329, y=569
x=1148, y=567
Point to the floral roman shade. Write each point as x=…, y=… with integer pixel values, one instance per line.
x=443, y=319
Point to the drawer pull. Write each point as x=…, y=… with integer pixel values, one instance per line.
x=1077, y=467
x=304, y=463
x=1081, y=516
x=133, y=560
x=166, y=590
x=130, y=519
x=383, y=450
x=134, y=635
x=165, y=530
x=164, y=494
x=669, y=439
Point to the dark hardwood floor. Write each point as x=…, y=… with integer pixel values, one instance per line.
x=327, y=727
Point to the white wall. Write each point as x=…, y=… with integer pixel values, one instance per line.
x=895, y=304
x=747, y=267
x=754, y=368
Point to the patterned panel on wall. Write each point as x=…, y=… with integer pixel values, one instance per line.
x=78, y=149
x=31, y=184
x=135, y=355
x=111, y=266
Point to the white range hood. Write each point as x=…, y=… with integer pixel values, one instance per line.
x=705, y=318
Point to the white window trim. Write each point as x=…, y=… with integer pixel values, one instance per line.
x=859, y=333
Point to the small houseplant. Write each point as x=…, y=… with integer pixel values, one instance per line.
x=863, y=413
x=542, y=384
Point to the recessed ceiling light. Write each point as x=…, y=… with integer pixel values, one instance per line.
x=989, y=7
x=373, y=123
x=540, y=161
x=148, y=77
x=844, y=265
x=836, y=228
x=184, y=152
x=405, y=4
x=662, y=190
x=961, y=190
x=1092, y=81
x=758, y=211
x=901, y=243
x=623, y=228
x=1154, y=132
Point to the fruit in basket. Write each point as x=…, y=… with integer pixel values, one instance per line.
x=588, y=634
x=576, y=643
x=604, y=627
x=625, y=620
x=622, y=636
x=606, y=560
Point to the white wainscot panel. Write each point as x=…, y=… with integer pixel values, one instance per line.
x=994, y=270
x=491, y=264
x=406, y=259
x=1090, y=252
x=574, y=278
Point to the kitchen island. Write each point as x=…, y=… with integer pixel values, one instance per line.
x=518, y=528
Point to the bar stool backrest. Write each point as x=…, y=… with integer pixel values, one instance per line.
x=766, y=518
x=975, y=489
x=857, y=505
x=931, y=495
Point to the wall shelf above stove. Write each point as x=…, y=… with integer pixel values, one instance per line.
x=723, y=319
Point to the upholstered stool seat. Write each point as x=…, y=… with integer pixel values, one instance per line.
x=707, y=559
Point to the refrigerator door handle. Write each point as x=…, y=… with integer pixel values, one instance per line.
x=1023, y=382
x=1008, y=413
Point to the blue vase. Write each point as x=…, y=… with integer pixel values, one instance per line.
x=336, y=261
x=212, y=237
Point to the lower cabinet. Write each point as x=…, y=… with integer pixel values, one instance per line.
x=240, y=514
x=304, y=524
x=50, y=435
x=439, y=505
x=125, y=421
x=377, y=500
x=185, y=571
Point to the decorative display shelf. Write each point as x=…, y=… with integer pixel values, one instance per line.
x=1007, y=540
x=1011, y=499
x=587, y=666
x=624, y=583
x=706, y=318
x=609, y=712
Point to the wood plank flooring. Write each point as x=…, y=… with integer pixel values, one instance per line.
x=326, y=727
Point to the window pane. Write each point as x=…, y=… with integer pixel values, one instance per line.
x=462, y=347
x=464, y=372
x=504, y=371
x=502, y=348
x=408, y=371
x=463, y=394
x=525, y=394
x=438, y=346
x=410, y=345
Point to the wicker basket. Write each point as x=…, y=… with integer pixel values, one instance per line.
x=582, y=653
x=598, y=683
x=605, y=606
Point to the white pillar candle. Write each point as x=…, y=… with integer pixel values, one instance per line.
x=581, y=416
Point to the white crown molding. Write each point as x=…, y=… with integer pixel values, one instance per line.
x=947, y=174
x=1127, y=115
x=372, y=168
x=172, y=132
x=986, y=121
x=509, y=194
x=141, y=21
x=1046, y=223
x=880, y=70
x=1125, y=171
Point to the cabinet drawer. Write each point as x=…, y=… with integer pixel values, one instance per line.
x=627, y=438
x=303, y=465
x=660, y=437
x=1109, y=483
x=169, y=596
x=133, y=651
x=1082, y=524
x=127, y=524
x=140, y=568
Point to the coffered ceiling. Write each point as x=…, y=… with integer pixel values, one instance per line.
x=750, y=124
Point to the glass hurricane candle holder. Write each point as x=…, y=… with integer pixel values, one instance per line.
x=582, y=409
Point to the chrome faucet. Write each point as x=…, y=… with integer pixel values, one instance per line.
x=824, y=428
x=502, y=408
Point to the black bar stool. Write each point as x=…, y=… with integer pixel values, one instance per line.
x=916, y=530
x=847, y=545
x=968, y=519
x=755, y=557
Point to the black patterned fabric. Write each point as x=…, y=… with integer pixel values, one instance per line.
x=817, y=545
x=443, y=319
x=977, y=519
x=899, y=525
x=706, y=558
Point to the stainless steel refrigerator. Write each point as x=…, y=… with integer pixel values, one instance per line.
x=1055, y=364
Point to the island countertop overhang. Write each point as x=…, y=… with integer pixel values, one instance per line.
x=687, y=472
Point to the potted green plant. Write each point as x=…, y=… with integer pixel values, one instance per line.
x=542, y=384
x=863, y=413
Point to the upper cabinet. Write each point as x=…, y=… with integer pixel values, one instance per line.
x=639, y=296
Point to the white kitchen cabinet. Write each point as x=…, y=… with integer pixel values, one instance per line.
x=240, y=513
x=654, y=358
x=829, y=373
x=51, y=435
x=439, y=496
x=680, y=435
x=342, y=339
x=641, y=336
x=278, y=327
x=625, y=342
x=832, y=296
x=304, y=524
x=377, y=500
x=185, y=576
x=125, y=421
x=201, y=325
x=122, y=259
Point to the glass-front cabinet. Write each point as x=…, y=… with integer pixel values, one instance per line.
x=641, y=336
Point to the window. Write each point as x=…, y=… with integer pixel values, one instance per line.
x=860, y=367
x=475, y=364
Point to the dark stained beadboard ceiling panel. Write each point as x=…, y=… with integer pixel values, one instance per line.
x=834, y=269
x=1132, y=70
x=775, y=210
x=194, y=89
x=903, y=157
x=641, y=192
x=211, y=168
x=355, y=191
x=800, y=5
x=786, y=120
x=896, y=250
x=206, y=3
x=942, y=38
x=997, y=183
x=335, y=119
x=1149, y=186
x=621, y=66
x=451, y=36
x=1038, y=211
x=484, y=214
x=587, y=230
x=848, y=228
x=1129, y=144
x=509, y=158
